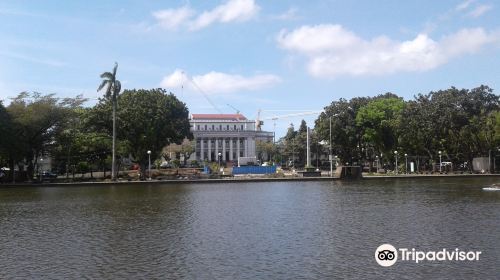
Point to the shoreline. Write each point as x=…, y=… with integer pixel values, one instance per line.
x=244, y=180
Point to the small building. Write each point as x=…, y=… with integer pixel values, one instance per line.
x=230, y=135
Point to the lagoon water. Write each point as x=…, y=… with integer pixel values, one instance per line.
x=277, y=230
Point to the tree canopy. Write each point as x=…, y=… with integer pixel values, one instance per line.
x=148, y=120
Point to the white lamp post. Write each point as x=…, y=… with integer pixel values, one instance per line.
x=406, y=163
x=377, y=163
x=149, y=165
x=439, y=161
x=330, y=155
x=396, y=153
x=219, y=156
x=40, y=170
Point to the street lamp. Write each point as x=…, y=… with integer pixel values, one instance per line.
x=380, y=161
x=377, y=163
x=219, y=156
x=439, y=152
x=149, y=166
x=396, y=154
x=40, y=168
x=406, y=163
x=330, y=155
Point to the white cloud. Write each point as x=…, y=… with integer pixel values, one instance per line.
x=464, y=5
x=171, y=19
x=479, y=10
x=33, y=59
x=289, y=14
x=177, y=79
x=231, y=11
x=218, y=83
x=332, y=50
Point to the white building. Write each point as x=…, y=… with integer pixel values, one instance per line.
x=231, y=135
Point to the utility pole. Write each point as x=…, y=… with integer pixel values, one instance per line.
x=330, y=155
x=308, y=154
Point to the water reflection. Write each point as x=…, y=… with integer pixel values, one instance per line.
x=312, y=230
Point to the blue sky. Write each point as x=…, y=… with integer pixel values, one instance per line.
x=278, y=56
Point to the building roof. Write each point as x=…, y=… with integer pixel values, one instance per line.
x=231, y=117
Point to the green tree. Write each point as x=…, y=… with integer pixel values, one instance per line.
x=380, y=122
x=346, y=135
x=185, y=149
x=288, y=145
x=265, y=150
x=112, y=91
x=150, y=120
x=5, y=133
x=458, y=122
x=36, y=121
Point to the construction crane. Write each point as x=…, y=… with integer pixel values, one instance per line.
x=237, y=111
x=260, y=121
x=201, y=91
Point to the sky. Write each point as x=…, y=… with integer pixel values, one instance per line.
x=279, y=57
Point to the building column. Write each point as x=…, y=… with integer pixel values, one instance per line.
x=202, y=150
x=224, y=149
x=237, y=148
x=231, y=149
x=216, y=149
x=246, y=147
x=209, y=143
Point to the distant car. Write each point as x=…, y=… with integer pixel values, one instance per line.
x=165, y=164
x=48, y=175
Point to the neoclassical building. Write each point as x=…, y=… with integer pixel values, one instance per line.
x=231, y=135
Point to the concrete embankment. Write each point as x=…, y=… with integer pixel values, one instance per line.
x=244, y=180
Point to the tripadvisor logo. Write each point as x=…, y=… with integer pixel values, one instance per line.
x=387, y=255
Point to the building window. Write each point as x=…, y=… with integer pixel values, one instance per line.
x=206, y=127
x=227, y=127
x=213, y=127
x=234, y=127
x=198, y=127
x=220, y=126
x=241, y=127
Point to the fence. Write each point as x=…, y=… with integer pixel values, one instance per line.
x=254, y=170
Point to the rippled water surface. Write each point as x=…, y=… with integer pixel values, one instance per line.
x=279, y=230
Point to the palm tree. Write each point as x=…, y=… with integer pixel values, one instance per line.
x=113, y=89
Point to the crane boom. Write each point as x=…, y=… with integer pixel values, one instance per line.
x=260, y=122
x=292, y=115
x=202, y=92
x=237, y=111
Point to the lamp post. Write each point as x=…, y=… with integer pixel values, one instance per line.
x=380, y=161
x=396, y=154
x=40, y=168
x=406, y=163
x=377, y=163
x=149, y=164
x=439, y=152
x=219, y=156
x=330, y=155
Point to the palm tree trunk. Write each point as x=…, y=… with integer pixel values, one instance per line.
x=113, y=174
